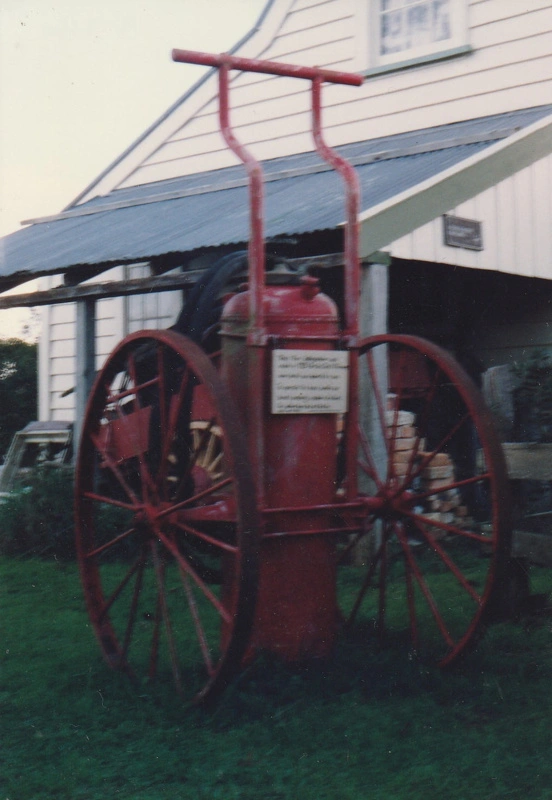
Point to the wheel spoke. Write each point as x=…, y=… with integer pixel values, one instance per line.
x=484, y=476
x=145, y=475
x=446, y=526
x=424, y=587
x=391, y=466
x=175, y=409
x=183, y=562
x=192, y=461
x=108, y=460
x=214, y=464
x=110, y=501
x=159, y=567
x=216, y=487
x=229, y=548
x=202, y=639
x=366, y=583
x=446, y=559
x=110, y=544
x=133, y=610
x=162, y=393
x=107, y=606
x=113, y=399
x=426, y=460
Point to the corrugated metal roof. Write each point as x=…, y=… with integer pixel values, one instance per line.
x=211, y=209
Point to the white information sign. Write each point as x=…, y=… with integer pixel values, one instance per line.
x=309, y=381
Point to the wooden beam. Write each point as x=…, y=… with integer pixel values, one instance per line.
x=156, y=283
x=98, y=291
x=528, y=461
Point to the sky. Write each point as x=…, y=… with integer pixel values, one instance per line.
x=80, y=80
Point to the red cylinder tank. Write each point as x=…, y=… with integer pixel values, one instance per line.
x=296, y=612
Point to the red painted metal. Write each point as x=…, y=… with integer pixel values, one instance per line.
x=352, y=195
x=226, y=62
x=161, y=539
x=266, y=67
x=352, y=271
x=298, y=615
x=158, y=399
x=451, y=460
x=256, y=197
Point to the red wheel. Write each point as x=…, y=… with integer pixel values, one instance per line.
x=165, y=504
x=437, y=526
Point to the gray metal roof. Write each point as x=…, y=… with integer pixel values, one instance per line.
x=211, y=209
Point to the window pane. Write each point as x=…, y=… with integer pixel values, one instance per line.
x=418, y=26
x=393, y=32
x=409, y=24
x=441, y=20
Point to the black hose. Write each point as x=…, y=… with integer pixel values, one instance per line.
x=202, y=310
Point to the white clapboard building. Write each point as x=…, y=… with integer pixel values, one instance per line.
x=451, y=134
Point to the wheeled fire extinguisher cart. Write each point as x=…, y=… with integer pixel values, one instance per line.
x=217, y=493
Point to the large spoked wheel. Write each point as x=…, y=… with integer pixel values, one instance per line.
x=165, y=506
x=436, y=538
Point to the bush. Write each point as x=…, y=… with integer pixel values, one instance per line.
x=37, y=518
x=18, y=388
x=533, y=399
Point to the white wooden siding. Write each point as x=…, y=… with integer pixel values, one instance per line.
x=115, y=317
x=152, y=310
x=510, y=67
x=517, y=234
x=57, y=348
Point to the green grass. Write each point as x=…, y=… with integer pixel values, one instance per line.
x=367, y=726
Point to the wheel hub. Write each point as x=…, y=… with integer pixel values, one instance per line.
x=394, y=504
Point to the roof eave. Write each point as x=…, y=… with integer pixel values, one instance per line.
x=383, y=224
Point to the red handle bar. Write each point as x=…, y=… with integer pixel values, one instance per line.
x=268, y=67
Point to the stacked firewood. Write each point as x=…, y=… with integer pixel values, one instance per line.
x=409, y=453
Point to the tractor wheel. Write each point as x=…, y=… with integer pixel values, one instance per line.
x=426, y=568
x=165, y=506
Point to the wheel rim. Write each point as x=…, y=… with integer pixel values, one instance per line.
x=165, y=504
x=436, y=534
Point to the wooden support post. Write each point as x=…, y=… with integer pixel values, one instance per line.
x=373, y=321
x=85, y=360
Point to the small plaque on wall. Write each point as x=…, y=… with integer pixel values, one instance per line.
x=461, y=232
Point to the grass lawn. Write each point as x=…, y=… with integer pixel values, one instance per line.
x=369, y=725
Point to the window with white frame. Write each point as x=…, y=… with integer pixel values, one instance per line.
x=403, y=30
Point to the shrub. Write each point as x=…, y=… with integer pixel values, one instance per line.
x=533, y=399
x=37, y=517
x=18, y=388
